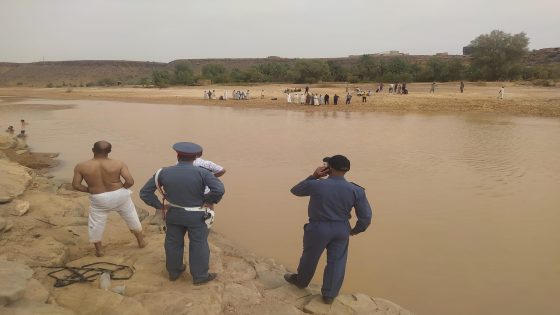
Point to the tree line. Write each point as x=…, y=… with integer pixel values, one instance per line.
x=494, y=56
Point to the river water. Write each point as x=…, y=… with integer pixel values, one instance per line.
x=466, y=207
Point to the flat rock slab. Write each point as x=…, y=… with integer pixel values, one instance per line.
x=36, y=309
x=316, y=306
x=14, y=180
x=34, y=292
x=7, y=142
x=237, y=270
x=270, y=276
x=359, y=303
x=166, y=302
x=13, y=281
x=86, y=300
x=265, y=309
x=19, y=207
x=45, y=252
x=241, y=295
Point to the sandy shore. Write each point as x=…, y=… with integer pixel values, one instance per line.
x=520, y=99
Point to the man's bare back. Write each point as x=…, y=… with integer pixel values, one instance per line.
x=101, y=175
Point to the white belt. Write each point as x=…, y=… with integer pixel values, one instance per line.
x=209, y=220
x=188, y=208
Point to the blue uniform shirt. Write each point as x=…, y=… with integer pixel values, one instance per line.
x=332, y=199
x=184, y=186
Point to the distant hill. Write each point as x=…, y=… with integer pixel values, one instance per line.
x=74, y=72
x=544, y=56
x=94, y=72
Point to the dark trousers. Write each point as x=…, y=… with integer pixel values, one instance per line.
x=178, y=223
x=318, y=236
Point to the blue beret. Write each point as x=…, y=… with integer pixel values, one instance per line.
x=187, y=148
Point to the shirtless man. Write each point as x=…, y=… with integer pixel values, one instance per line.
x=107, y=192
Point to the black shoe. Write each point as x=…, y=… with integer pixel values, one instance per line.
x=328, y=300
x=291, y=278
x=173, y=278
x=211, y=276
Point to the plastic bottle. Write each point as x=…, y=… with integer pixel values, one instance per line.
x=105, y=281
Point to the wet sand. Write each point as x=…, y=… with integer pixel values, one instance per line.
x=522, y=100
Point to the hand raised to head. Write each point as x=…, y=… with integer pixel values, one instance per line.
x=321, y=171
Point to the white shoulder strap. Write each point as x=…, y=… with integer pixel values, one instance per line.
x=156, y=180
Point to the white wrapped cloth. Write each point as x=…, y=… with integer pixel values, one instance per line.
x=100, y=206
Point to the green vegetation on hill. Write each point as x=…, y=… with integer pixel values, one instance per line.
x=494, y=56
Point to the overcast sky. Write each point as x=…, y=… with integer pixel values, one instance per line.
x=165, y=30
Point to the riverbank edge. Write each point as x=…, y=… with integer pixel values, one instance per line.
x=247, y=284
x=440, y=103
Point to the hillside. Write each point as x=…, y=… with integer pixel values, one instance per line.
x=73, y=72
x=94, y=72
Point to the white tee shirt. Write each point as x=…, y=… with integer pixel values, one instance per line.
x=208, y=165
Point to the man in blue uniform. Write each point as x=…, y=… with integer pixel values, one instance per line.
x=183, y=187
x=330, y=203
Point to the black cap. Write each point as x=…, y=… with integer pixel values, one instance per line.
x=338, y=162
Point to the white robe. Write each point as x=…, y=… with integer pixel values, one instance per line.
x=100, y=206
x=502, y=93
x=289, y=98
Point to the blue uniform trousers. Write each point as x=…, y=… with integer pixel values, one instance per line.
x=178, y=223
x=318, y=235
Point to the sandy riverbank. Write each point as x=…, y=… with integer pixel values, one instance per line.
x=43, y=224
x=520, y=99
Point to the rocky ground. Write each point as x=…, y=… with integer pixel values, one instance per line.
x=44, y=225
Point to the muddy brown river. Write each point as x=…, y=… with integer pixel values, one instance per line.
x=466, y=207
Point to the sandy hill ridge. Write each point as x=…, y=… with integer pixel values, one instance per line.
x=84, y=72
x=43, y=224
x=77, y=73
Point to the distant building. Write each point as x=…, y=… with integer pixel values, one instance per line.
x=392, y=53
x=467, y=50
x=442, y=54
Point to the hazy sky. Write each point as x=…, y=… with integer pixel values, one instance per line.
x=164, y=30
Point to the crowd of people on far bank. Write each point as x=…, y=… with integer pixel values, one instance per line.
x=307, y=98
x=236, y=95
x=304, y=97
